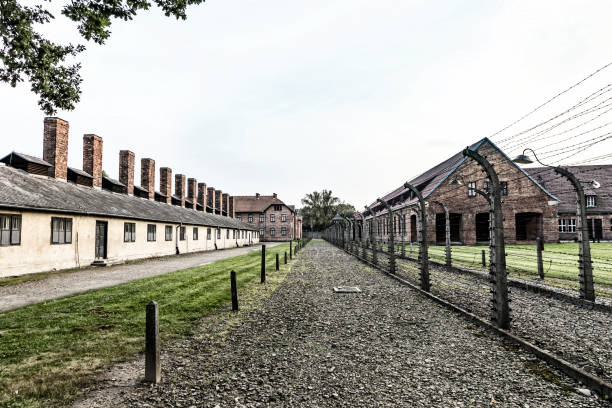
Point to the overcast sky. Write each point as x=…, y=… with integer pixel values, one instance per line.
x=293, y=96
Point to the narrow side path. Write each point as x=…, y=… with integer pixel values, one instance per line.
x=385, y=346
x=82, y=280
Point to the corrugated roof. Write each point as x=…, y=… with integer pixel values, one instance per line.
x=23, y=191
x=563, y=189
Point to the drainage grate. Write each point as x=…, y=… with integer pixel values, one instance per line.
x=346, y=289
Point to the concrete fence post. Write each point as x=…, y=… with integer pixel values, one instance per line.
x=484, y=260
x=423, y=244
x=152, y=363
x=277, y=262
x=389, y=224
x=540, y=264
x=290, y=249
x=263, y=264
x=285, y=257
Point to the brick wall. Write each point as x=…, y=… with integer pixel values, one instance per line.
x=55, y=147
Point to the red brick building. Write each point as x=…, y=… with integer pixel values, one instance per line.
x=275, y=220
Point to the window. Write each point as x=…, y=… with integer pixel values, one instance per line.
x=562, y=225
x=250, y=217
x=272, y=232
x=278, y=207
x=168, y=232
x=261, y=232
x=208, y=234
x=262, y=218
x=182, y=234
x=590, y=201
x=129, y=232
x=227, y=234
x=504, y=188
x=471, y=189
x=283, y=217
x=571, y=225
x=218, y=233
x=151, y=231
x=243, y=231
x=233, y=234
x=272, y=217
x=61, y=230
x=486, y=187
x=239, y=217
x=10, y=229
x=284, y=231
x=195, y=234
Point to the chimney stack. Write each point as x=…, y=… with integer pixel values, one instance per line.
x=202, y=195
x=92, y=158
x=192, y=191
x=211, y=199
x=165, y=183
x=225, y=205
x=274, y=195
x=147, y=176
x=179, y=187
x=232, y=207
x=218, y=201
x=55, y=147
x=126, y=169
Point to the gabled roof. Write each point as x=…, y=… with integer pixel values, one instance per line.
x=80, y=172
x=257, y=204
x=25, y=157
x=562, y=188
x=430, y=180
x=22, y=191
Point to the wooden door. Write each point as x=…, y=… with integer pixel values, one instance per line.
x=101, y=239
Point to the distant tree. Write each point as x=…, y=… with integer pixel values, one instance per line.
x=320, y=207
x=27, y=54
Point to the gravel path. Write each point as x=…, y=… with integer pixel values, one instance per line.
x=82, y=280
x=385, y=346
x=574, y=333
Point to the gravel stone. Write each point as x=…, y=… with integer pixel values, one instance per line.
x=385, y=346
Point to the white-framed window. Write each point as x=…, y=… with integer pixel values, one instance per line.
x=168, y=232
x=61, y=230
x=218, y=233
x=208, y=234
x=129, y=232
x=504, y=188
x=471, y=189
x=590, y=201
x=262, y=218
x=272, y=232
x=272, y=217
x=261, y=232
x=195, y=234
x=151, y=230
x=571, y=225
x=284, y=231
x=239, y=217
x=10, y=229
x=283, y=217
x=182, y=233
x=562, y=225
x=250, y=217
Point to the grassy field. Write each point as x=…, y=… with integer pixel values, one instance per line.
x=50, y=350
x=560, y=262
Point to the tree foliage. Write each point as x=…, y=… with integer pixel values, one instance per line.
x=25, y=54
x=320, y=207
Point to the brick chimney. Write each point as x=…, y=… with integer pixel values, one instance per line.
x=257, y=196
x=92, y=158
x=202, y=195
x=211, y=198
x=147, y=176
x=165, y=183
x=192, y=190
x=126, y=170
x=274, y=195
x=232, y=207
x=55, y=147
x=218, y=201
x=225, y=205
x=179, y=187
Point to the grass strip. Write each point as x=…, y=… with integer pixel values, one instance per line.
x=48, y=351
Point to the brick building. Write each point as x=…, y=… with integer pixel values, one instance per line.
x=275, y=220
x=53, y=216
x=598, y=200
x=529, y=209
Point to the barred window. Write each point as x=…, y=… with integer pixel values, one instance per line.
x=195, y=234
x=129, y=232
x=61, y=230
x=151, y=232
x=10, y=229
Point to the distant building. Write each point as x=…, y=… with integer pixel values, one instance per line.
x=598, y=200
x=275, y=220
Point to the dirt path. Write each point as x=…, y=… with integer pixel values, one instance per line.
x=309, y=347
x=83, y=280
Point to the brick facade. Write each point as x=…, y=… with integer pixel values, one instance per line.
x=274, y=219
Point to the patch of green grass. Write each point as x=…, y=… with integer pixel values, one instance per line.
x=52, y=349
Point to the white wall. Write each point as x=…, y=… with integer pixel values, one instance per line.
x=37, y=254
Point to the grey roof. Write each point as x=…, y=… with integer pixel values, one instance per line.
x=113, y=181
x=29, y=158
x=80, y=172
x=23, y=191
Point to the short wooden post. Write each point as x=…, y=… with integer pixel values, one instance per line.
x=484, y=261
x=234, y=291
x=277, y=262
x=152, y=363
x=285, y=257
x=540, y=264
x=263, y=264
